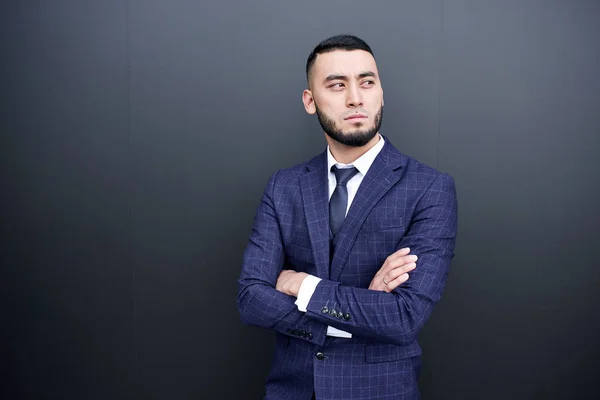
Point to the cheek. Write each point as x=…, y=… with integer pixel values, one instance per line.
x=331, y=109
x=325, y=104
x=375, y=99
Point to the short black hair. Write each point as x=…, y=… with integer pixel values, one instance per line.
x=338, y=42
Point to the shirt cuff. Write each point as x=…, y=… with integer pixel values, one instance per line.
x=307, y=288
x=331, y=331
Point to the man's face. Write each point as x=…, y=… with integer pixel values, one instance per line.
x=345, y=92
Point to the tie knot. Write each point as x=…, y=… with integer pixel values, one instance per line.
x=343, y=175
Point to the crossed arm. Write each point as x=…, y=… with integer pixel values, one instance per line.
x=392, y=312
x=392, y=274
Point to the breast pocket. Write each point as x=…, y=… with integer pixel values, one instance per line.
x=378, y=238
x=391, y=212
x=381, y=224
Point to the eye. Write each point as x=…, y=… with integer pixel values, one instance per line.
x=368, y=83
x=337, y=86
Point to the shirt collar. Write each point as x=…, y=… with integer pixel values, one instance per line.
x=362, y=163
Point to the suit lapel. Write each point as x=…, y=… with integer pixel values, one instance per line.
x=314, y=188
x=380, y=178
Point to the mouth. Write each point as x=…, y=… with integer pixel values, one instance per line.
x=355, y=117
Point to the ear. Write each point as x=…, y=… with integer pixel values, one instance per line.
x=382, y=98
x=309, y=101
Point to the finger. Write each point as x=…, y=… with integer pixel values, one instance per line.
x=404, y=262
x=399, y=253
x=391, y=275
x=379, y=282
x=399, y=262
x=394, y=257
x=402, y=252
x=396, y=272
x=396, y=282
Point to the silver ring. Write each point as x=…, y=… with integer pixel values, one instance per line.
x=384, y=281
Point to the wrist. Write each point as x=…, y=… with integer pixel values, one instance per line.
x=299, y=278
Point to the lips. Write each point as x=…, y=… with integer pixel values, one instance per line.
x=356, y=116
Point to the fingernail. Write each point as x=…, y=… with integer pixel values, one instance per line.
x=413, y=258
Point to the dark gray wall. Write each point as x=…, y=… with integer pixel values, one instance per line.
x=137, y=137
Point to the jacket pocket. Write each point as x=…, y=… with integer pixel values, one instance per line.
x=383, y=352
x=381, y=224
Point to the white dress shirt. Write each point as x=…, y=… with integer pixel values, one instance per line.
x=362, y=164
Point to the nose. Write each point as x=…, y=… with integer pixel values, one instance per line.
x=354, y=97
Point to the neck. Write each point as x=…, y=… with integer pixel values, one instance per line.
x=348, y=154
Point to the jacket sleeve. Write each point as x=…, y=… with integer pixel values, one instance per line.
x=259, y=303
x=397, y=317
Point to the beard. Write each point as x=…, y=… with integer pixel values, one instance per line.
x=355, y=138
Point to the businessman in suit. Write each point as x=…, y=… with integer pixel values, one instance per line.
x=349, y=251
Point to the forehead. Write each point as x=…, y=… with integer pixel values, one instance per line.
x=350, y=63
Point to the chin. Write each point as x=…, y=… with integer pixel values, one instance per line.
x=355, y=128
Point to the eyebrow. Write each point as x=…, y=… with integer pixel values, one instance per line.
x=334, y=77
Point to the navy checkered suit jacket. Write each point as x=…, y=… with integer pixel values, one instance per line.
x=400, y=203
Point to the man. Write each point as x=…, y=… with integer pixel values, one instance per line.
x=331, y=264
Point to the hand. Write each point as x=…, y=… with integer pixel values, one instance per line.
x=394, y=271
x=289, y=282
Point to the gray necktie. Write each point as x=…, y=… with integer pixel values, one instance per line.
x=339, y=198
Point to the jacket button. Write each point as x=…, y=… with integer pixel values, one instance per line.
x=332, y=312
x=340, y=314
x=310, y=336
x=324, y=309
x=346, y=316
x=320, y=356
x=304, y=335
